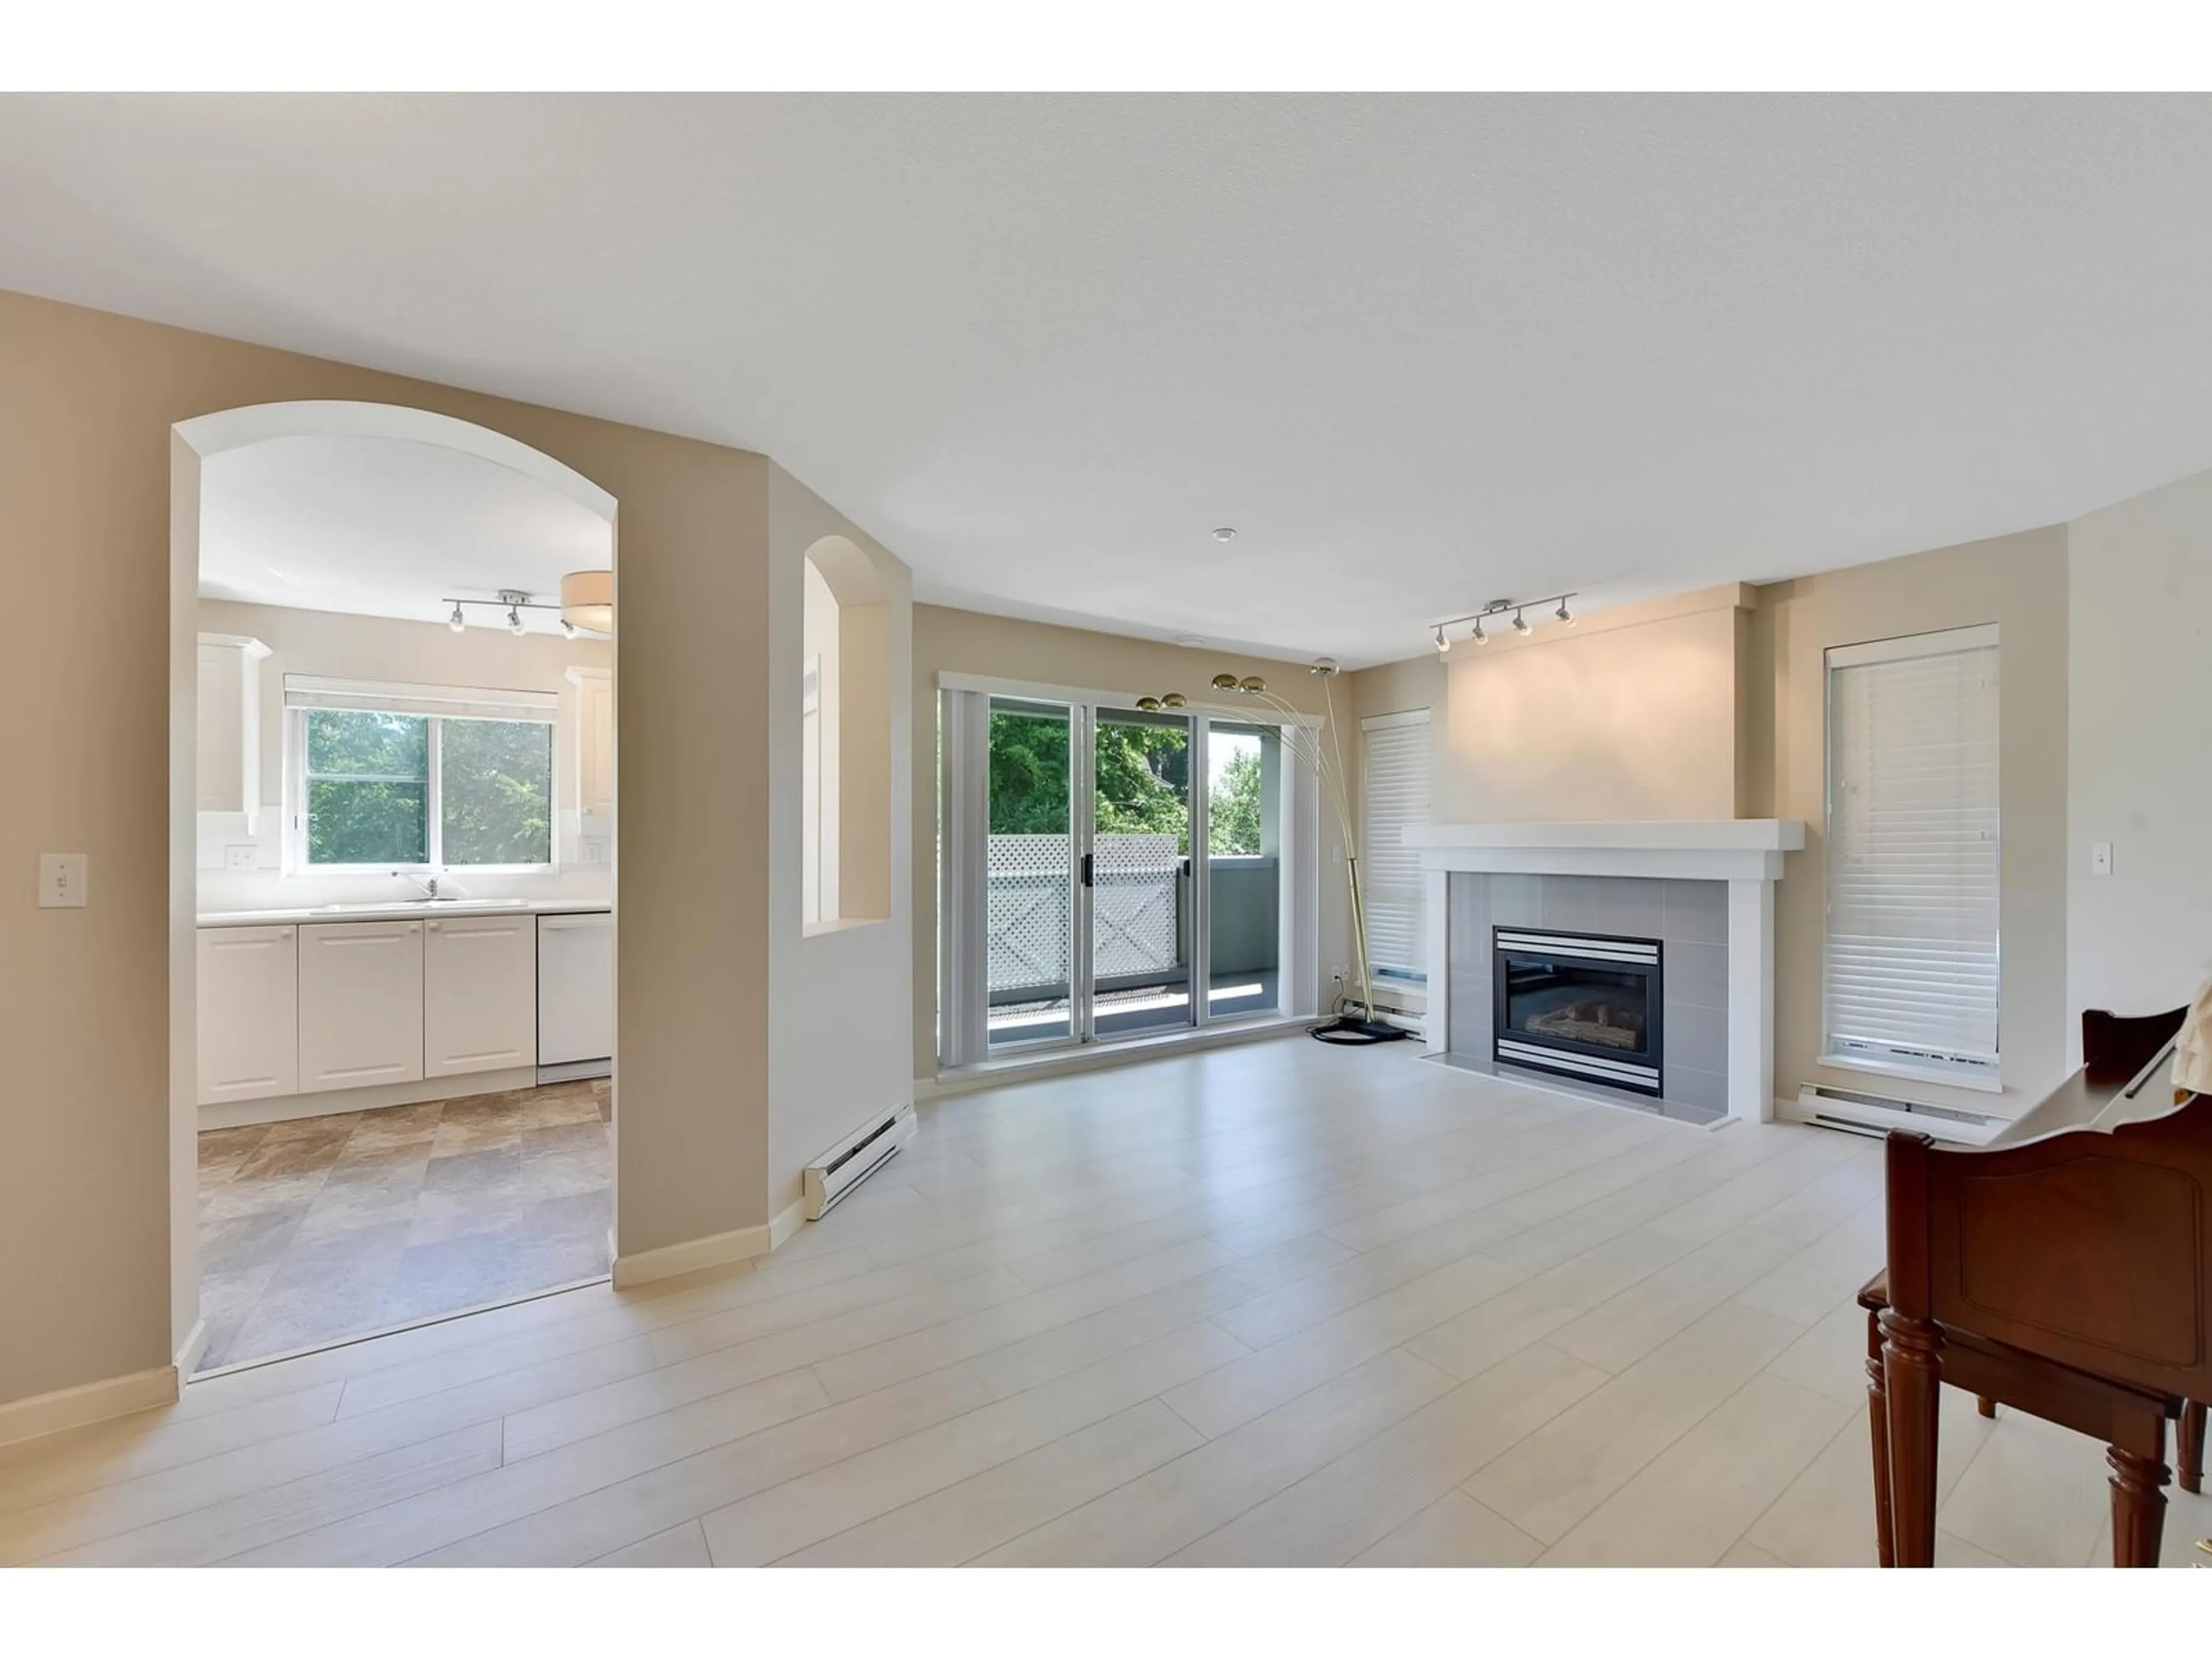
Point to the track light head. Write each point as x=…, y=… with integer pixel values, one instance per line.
x=1520, y=623
x=567, y=628
x=456, y=621
x=1566, y=617
x=1478, y=636
x=1442, y=644
x=514, y=620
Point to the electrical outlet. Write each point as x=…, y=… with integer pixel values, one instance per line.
x=62, y=881
x=241, y=858
x=2100, y=858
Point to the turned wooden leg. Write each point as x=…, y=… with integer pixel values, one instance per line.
x=2189, y=1450
x=1913, y=1378
x=2138, y=1508
x=1989, y=1406
x=1884, y=1546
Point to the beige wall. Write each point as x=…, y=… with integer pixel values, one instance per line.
x=2020, y=583
x=2139, y=684
x=1632, y=714
x=87, y=404
x=947, y=640
x=842, y=996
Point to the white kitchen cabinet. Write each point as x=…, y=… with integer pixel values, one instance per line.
x=248, y=1013
x=594, y=741
x=479, y=994
x=361, y=1004
x=575, y=989
x=229, y=727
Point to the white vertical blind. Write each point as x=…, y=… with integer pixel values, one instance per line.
x=1912, y=855
x=1394, y=793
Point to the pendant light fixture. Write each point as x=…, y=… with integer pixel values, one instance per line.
x=588, y=600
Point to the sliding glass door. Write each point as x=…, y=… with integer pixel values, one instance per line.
x=1109, y=873
x=1138, y=880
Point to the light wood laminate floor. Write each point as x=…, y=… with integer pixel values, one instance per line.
x=1278, y=1305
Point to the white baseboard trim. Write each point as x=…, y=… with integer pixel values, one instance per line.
x=716, y=1250
x=89, y=1402
x=788, y=1221
x=195, y=1345
x=285, y=1109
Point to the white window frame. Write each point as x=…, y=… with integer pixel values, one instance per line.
x=1414, y=972
x=437, y=704
x=1982, y=1073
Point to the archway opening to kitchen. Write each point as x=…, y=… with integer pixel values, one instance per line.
x=393, y=1098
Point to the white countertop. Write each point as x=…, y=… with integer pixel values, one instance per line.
x=403, y=911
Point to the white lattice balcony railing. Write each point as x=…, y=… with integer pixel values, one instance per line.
x=1136, y=909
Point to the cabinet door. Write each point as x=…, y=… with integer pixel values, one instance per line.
x=249, y=1013
x=361, y=1004
x=595, y=741
x=480, y=993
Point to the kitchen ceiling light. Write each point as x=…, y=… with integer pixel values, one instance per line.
x=587, y=599
x=514, y=620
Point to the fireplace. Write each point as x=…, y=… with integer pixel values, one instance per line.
x=1585, y=1005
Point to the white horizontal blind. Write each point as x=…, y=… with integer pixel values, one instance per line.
x=453, y=702
x=1912, y=855
x=1394, y=793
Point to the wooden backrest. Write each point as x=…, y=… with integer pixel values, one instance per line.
x=2090, y=1248
x=2115, y=1047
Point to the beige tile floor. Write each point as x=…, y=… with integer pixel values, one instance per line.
x=1278, y=1304
x=324, y=1228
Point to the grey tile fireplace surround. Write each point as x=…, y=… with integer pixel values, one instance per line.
x=1690, y=919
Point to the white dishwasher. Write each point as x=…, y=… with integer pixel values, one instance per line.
x=575, y=995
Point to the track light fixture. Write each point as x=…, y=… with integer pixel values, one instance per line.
x=456, y=621
x=1498, y=611
x=514, y=601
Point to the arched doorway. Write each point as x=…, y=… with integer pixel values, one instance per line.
x=392, y=851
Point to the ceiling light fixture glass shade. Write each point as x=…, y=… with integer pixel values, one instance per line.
x=588, y=600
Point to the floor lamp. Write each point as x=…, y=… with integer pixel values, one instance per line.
x=1303, y=742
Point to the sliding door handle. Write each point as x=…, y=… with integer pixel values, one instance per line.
x=1087, y=871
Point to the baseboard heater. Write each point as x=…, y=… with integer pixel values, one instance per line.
x=1877, y=1115
x=855, y=1159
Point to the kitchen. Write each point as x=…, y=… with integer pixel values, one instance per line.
x=405, y=792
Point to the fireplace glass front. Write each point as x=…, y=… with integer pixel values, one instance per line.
x=1579, y=1005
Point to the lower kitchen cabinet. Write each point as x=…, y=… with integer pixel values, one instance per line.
x=249, y=1046
x=479, y=994
x=361, y=1004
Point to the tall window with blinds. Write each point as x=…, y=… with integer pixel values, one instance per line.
x=1394, y=793
x=1912, y=984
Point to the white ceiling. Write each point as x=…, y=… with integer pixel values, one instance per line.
x=384, y=528
x=1420, y=351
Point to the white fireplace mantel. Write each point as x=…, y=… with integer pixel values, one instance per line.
x=1745, y=853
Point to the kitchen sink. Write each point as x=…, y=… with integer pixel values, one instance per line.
x=422, y=904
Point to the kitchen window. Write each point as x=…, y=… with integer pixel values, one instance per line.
x=392, y=777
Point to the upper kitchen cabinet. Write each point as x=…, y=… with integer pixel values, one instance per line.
x=230, y=727
x=592, y=745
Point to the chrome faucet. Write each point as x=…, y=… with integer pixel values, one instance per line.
x=430, y=887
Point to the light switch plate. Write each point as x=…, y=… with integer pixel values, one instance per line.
x=62, y=881
x=2100, y=858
